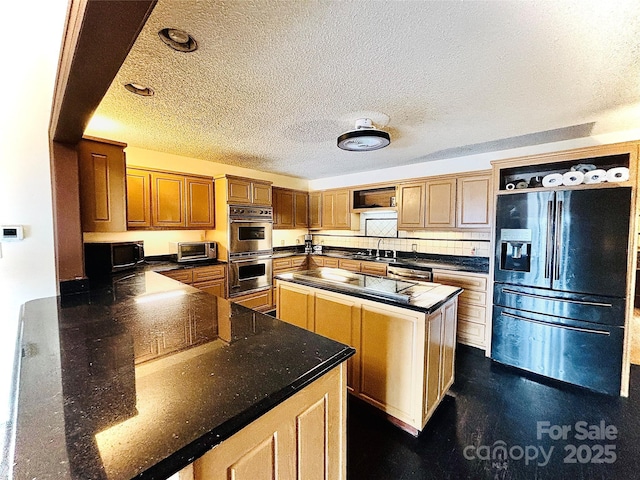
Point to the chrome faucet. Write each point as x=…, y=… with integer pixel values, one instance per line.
x=378, y=249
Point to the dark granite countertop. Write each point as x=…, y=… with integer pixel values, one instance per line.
x=143, y=374
x=459, y=263
x=421, y=296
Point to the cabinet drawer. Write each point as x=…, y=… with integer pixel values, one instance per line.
x=298, y=262
x=213, y=287
x=350, y=265
x=472, y=313
x=471, y=333
x=260, y=301
x=330, y=262
x=181, y=275
x=373, y=268
x=461, y=280
x=281, y=263
x=211, y=272
x=473, y=297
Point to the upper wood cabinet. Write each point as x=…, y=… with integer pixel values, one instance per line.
x=446, y=203
x=473, y=200
x=101, y=168
x=301, y=209
x=199, y=202
x=168, y=200
x=411, y=203
x=138, y=198
x=440, y=204
x=315, y=209
x=336, y=212
x=290, y=208
x=247, y=191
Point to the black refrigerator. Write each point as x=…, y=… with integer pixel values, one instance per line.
x=560, y=284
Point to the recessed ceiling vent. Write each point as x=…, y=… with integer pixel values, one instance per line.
x=178, y=39
x=364, y=138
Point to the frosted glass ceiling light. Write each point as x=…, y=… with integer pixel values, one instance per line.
x=364, y=138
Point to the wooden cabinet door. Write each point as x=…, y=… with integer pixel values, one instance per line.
x=411, y=204
x=295, y=305
x=213, y=287
x=338, y=318
x=261, y=193
x=304, y=438
x=433, y=347
x=283, y=208
x=168, y=200
x=328, y=209
x=373, y=268
x=138, y=198
x=101, y=168
x=301, y=206
x=351, y=265
x=391, y=360
x=440, y=206
x=342, y=206
x=199, y=203
x=239, y=190
x=447, y=356
x=474, y=194
x=315, y=210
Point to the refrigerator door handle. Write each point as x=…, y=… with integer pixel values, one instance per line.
x=549, y=324
x=558, y=243
x=568, y=300
x=549, y=246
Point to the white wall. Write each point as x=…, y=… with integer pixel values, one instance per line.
x=27, y=268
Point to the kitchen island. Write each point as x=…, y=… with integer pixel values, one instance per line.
x=404, y=334
x=143, y=376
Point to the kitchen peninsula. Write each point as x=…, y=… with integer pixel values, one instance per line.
x=404, y=333
x=143, y=376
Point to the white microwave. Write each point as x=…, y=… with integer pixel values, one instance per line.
x=193, y=251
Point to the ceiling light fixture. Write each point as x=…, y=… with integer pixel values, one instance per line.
x=179, y=40
x=139, y=89
x=364, y=138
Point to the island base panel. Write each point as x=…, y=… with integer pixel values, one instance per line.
x=303, y=437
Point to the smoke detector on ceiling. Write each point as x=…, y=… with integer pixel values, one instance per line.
x=364, y=138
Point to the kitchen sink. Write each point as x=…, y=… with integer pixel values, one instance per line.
x=372, y=258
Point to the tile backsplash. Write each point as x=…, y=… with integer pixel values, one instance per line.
x=383, y=225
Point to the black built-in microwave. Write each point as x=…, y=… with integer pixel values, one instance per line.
x=104, y=258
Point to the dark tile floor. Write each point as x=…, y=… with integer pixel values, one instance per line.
x=494, y=409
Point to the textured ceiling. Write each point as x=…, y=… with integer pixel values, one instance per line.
x=273, y=83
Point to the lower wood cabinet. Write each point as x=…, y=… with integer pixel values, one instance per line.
x=210, y=278
x=371, y=268
x=473, y=306
x=302, y=438
x=261, y=301
x=288, y=264
x=404, y=362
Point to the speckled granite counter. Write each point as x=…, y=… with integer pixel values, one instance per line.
x=142, y=375
x=429, y=260
x=420, y=296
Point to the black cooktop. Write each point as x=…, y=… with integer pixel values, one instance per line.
x=381, y=286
